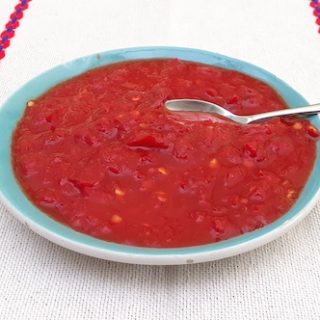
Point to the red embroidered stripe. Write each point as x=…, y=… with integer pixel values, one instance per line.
x=11, y=25
x=315, y=4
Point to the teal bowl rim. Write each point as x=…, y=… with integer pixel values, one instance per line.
x=12, y=109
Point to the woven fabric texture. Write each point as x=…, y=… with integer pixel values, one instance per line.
x=39, y=280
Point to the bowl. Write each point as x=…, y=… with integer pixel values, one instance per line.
x=18, y=204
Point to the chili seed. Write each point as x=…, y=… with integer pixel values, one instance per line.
x=116, y=218
x=31, y=103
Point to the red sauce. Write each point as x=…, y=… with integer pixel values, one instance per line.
x=100, y=154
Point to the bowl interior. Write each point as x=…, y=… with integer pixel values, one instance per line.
x=11, y=111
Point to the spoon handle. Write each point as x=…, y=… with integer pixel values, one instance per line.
x=313, y=109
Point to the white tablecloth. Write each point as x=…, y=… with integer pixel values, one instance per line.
x=39, y=280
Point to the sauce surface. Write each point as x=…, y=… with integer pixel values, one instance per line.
x=100, y=154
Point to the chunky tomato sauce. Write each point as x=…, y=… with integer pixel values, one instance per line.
x=100, y=154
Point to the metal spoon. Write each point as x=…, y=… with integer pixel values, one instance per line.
x=205, y=106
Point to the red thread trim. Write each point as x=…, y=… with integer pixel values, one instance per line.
x=9, y=31
x=315, y=4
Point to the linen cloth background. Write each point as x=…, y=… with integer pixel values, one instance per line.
x=39, y=280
